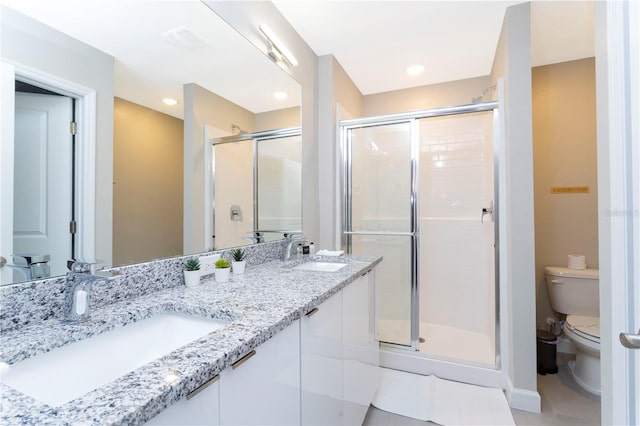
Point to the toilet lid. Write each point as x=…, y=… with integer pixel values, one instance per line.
x=587, y=327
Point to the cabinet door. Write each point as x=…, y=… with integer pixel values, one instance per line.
x=361, y=350
x=199, y=408
x=264, y=388
x=321, y=349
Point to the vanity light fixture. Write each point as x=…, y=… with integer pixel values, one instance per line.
x=415, y=69
x=278, y=52
x=280, y=95
x=170, y=101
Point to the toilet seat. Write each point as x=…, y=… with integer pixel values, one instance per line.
x=585, y=327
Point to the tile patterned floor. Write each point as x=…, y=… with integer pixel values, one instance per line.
x=563, y=404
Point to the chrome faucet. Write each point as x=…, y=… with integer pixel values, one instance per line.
x=33, y=266
x=78, y=289
x=291, y=240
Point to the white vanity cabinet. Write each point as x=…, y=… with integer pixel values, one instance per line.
x=320, y=370
x=200, y=407
x=263, y=388
x=321, y=363
x=361, y=359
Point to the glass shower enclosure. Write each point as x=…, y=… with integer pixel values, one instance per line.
x=419, y=189
x=255, y=184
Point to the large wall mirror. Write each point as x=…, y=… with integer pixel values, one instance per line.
x=167, y=162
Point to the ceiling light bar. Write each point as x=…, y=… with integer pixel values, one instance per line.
x=277, y=50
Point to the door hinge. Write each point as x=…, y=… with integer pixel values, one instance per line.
x=73, y=128
x=72, y=227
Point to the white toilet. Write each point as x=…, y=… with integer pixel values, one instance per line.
x=574, y=292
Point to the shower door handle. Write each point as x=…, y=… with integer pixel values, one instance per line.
x=487, y=211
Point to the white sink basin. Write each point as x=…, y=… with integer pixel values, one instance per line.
x=65, y=373
x=320, y=266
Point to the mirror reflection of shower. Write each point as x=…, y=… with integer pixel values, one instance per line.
x=259, y=174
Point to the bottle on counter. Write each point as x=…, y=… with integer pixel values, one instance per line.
x=312, y=248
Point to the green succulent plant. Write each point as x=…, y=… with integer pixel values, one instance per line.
x=192, y=264
x=222, y=264
x=238, y=255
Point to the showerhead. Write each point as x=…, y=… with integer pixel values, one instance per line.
x=236, y=130
x=479, y=98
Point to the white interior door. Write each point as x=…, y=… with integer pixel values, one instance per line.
x=43, y=177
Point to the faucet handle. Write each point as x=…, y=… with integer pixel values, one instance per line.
x=81, y=265
x=75, y=266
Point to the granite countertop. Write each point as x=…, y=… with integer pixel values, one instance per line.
x=258, y=304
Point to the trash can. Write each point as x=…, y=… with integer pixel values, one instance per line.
x=546, y=352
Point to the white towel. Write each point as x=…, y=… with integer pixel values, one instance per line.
x=330, y=253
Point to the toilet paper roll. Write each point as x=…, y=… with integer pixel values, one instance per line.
x=576, y=261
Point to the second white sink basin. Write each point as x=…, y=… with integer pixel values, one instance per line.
x=320, y=266
x=65, y=373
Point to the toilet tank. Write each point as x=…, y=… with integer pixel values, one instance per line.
x=573, y=291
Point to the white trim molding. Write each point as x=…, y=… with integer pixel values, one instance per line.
x=618, y=98
x=522, y=399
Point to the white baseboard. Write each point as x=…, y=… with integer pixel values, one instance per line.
x=522, y=399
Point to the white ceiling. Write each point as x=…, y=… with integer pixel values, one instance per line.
x=149, y=67
x=375, y=41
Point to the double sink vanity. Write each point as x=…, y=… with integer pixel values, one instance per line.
x=287, y=342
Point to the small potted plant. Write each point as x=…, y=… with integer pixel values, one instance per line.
x=192, y=272
x=238, y=262
x=222, y=270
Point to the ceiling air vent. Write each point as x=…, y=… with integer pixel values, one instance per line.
x=183, y=37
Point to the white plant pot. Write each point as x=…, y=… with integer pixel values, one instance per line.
x=222, y=275
x=208, y=264
x=191, y=278
x=238, y=267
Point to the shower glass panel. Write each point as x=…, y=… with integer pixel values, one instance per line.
x=393, y=284
x=279, y=184
x=457, y=281
x=380, y=220
x=232, y=185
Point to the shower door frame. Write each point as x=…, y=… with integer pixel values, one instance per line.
x=210, y=177
x=412, y=118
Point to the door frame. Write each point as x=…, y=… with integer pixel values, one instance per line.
x=85, y=114
x=411, y=117
x=618, y=139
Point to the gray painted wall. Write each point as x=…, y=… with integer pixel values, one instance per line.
x=512, y=65
x=31, y=44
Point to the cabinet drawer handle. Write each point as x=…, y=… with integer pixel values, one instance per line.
x=311, y=312
x=203, y=386
x=242, y=360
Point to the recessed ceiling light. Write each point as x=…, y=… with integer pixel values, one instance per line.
x=415, y=69
x=170, y=101
x=280, y=95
